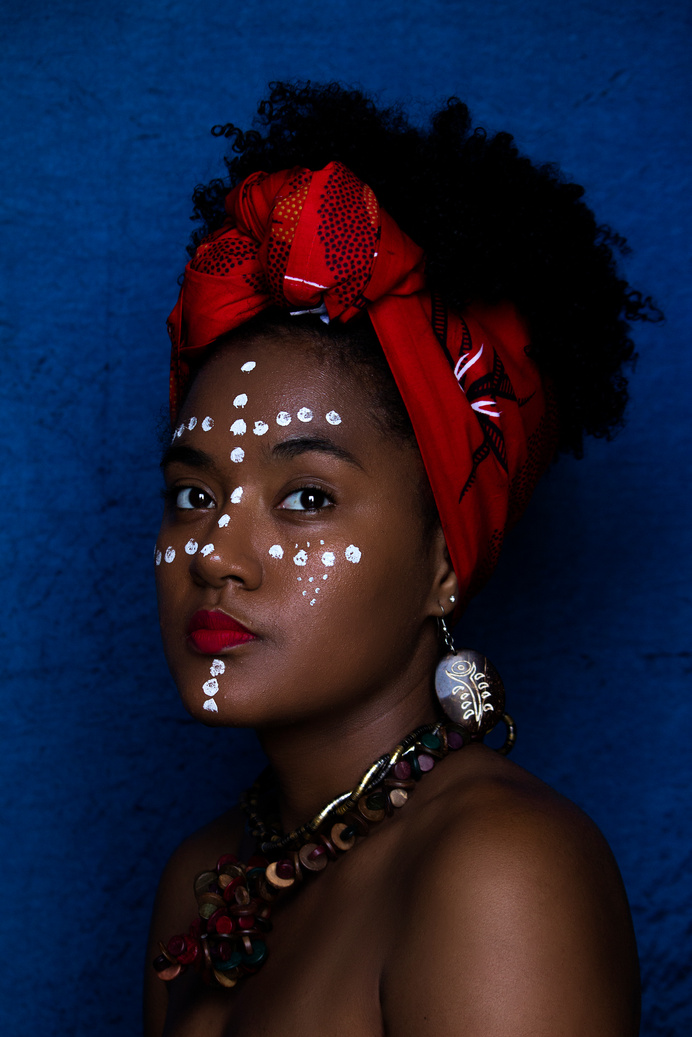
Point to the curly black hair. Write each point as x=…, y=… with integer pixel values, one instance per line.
x=493, y=225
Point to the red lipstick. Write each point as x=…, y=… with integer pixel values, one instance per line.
x=212, y=632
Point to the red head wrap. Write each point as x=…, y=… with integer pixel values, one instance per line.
x=299, y=239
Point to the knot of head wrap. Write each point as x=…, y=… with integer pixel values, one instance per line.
x=302, y=240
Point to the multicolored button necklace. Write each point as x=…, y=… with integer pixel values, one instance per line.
x=227, y=941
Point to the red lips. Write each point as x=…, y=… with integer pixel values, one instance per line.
x=212, y=632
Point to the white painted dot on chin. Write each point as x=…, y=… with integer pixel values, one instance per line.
x=260, y=428
x=170, y=554
x=276, y=551
x=224, y=520
x=237, y=455
x=237, y=495
x=207, y=550
x=301, y=558
x=240, y=400
x=283, y=418
x=217, y=667
x=208, y=424
x=304, y=414
x=211, y=706
x=249, y=366
x=352, y=553
x=191, y=547
x=211, y=686
x=333, y=418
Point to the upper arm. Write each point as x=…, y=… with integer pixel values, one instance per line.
x=518, y=925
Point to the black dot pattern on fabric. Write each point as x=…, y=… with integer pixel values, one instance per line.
x=221, y=255
x=284, y=222
x=348, y=231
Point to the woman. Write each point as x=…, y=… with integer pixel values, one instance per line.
x=359, y=413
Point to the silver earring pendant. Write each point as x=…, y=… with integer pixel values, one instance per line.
x=471, y=692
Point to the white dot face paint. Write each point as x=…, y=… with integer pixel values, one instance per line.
x=333, y=418
x=211, y=706
x=324, y=577
x=179, y=431
x=249, y=366
x=239, y=428
x=237, y=495
x=217, y=668
x=260, y=428
x=304, y=414
x=237, y=455
x=207, y=424
x=224, y=520
x=158, y=556
x=313, y=601
x=211, y=686
x=207, y=550
x=240, y=400
x=276, y=551
x=170, y=554
x=191, y=547
x=283, y=418
x=191, y=424
x=352, y=553
x=301, y=558
x=328, y=558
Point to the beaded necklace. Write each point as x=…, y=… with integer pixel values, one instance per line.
x=227, y=941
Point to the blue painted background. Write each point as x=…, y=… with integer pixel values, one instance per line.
x=104, y=120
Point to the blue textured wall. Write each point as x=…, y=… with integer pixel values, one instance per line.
x=105, y=115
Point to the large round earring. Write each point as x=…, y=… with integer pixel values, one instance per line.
x=471, y=692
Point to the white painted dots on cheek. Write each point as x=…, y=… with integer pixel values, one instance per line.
x=260, y=428
x=191, y=547
x=352, y=553
x=207, y=424
x=237, y=455
x=170, y=554
x=239, y=428
x=207, y=550
x=157, y=557
x=211, y=687
x=224, y=520
x=276, y=551
x=237, y=495
x=240, y=400
x=249, y=366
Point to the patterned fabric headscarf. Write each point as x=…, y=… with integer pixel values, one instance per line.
x=484, y=423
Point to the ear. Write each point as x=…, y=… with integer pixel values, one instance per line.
x=444, y=589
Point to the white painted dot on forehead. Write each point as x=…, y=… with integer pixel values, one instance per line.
x=224, y=520
x=276, y=551
x=170, y=554
x=249, y=366
x=260, y=428
x=237, y=455
x=191, y=547
x=208, y=424
x=304, y=414
x=328, y=558
x=217, y=667
x=352, y=553
x=239, y=428
x=179, y=431
x=333, y=418
x=240, y=400
x=211, y=686
x=237, y=494
x=207, y=550
x=191, y=424
x=283, y=418
x=301, y=558
x=158, y=556
x=211, y=706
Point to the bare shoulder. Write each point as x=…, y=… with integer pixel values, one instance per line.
x=175, y=906
x=517, y=920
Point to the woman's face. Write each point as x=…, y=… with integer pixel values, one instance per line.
x=293, y=574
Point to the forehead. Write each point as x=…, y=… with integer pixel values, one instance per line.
x=275, y=374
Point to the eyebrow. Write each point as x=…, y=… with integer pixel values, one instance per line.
x=187, y=455
x=290, y=448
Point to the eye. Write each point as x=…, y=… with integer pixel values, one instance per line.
x=308, y=499
x=187, y=497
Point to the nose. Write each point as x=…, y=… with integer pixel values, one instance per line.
x=227, y=555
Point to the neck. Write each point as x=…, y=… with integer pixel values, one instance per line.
x=317, y=759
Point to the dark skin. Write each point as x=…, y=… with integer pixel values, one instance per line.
x=489, y=906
